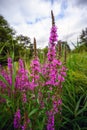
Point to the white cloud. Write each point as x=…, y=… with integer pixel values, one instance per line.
x=32, y=18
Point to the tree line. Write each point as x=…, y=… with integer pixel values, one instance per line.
x=10, y=44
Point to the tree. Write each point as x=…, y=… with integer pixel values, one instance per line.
x=24, y=40
x=6, y=32
x=6, y=39
x=26, y=44
x=83, y=36
x=20, y=45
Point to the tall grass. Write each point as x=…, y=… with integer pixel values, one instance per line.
x=74, y=113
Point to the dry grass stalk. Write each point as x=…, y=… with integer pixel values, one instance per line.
x=53, y=19
x=65, y=54
x=59, y=49
x=35, y=48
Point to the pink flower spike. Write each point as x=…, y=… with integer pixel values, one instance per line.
x=60, y=78
x=59, y=63
x=63, y=73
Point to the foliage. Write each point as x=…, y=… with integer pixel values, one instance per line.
x=75, y=93
x=9, y=43
x=6, y=32
x=81, y=45
x=83, y=37
x=74, y=107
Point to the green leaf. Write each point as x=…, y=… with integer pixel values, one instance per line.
x=41, y=123
x=66, y=107
x=14, y=75
x=33, y=112
x=78, y=105
x=83, y=109
x=4, y=96
x=2, y=48
x=4, y=80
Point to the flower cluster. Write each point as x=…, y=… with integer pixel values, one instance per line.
x=5, y=87
x=6, y=74
x=36, y=92
x=22, y=80
x=55, y=73
x=52, y=42
x=35, y=70
x=50, y=123
x=53, y=36
x=10, y=65
x=17, y=119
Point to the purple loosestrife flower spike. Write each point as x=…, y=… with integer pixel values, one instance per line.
x=52, y=40
x=50, y=123
x=10, y=64
x=24, y=98
x=17, y=119
x=35, y=69
x=54, y=73
x=22, y=81
x=10, y=70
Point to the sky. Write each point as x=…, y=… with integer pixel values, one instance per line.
x=32, y=18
